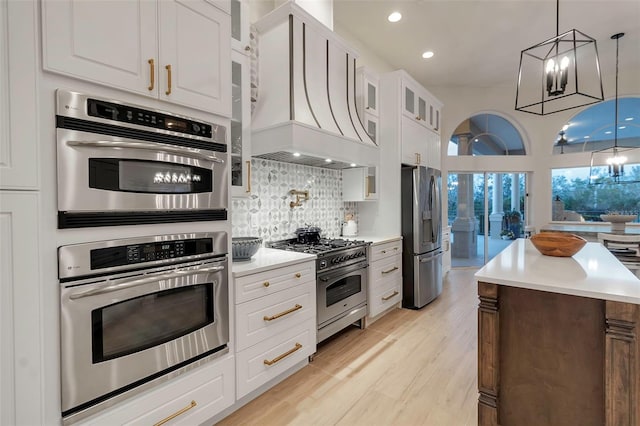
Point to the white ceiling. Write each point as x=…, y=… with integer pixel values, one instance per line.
x=478, y=42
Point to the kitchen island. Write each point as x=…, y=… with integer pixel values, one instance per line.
x=558, y=339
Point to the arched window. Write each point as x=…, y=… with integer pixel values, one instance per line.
x=575, y=196
x=486, y=134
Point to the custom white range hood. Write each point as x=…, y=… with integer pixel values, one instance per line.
x=306, y=100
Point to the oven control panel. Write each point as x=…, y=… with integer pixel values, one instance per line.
x=341, y=258
x=148, y=252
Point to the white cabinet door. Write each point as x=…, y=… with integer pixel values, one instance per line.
x=195, y=53
x=359, y=184
x=240, y=32
x=19, y=160
x=414, y=142
x=107, y=42
x=20, y=344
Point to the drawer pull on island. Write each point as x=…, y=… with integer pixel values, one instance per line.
x=395, y=293
x=281, y=314
x=395, y=268
x=286, y=354
x=298, y=275
x=266, y=284
x=176, y=414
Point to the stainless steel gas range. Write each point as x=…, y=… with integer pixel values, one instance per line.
x=341, y=280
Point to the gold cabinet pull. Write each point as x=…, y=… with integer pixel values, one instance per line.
x=418, y=158
x=176, y=414
x=281, y=314
x=248, y=176
x=395, y=268
x=152, y=74
x=266, y=284
x=298, y=275
x=395, y=293
x=168, y=68
x=383, y=251
x=286, y=354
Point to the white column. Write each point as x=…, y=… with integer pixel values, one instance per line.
x=515, y=191
x=464, y=226
x=497, y=213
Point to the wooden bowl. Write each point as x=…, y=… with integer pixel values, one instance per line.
x=559, y=244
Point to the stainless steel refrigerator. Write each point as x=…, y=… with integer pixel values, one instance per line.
x=422, y=236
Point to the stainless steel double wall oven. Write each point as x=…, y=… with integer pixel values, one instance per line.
x=138, y=311
x=123, y=164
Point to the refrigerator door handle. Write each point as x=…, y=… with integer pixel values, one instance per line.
x=430, y=257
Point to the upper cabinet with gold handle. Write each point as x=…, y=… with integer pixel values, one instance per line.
x=155, y=38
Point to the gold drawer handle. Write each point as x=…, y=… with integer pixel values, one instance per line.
x=248, y=176
x=395, y=293
x=286, y=354
x=395, y=268
x=383, y=251
x=281, y=314
x=266, y=284
x=176, y=414
x=298, y=275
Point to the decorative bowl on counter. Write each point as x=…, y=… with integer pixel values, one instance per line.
x=618, y=221
x=242, y=248
x=558, y=244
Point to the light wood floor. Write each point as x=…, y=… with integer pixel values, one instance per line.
x=408, y=368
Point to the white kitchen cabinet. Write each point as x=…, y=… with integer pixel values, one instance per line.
x=420, y=105
x=411, y=115
x=446, y=249
x=19, y=154
x=21, y=372
x=367, y=101
x=174, y=50
x=240, y=126
x=193, y=398
x=359, y=184
x=385, y=277
x=275, y=319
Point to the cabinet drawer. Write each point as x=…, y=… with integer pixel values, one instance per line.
x=385, y=284
x=211, y=387
x=268, y=316
x=270, y=358
x=257, y=285
x=380, y=251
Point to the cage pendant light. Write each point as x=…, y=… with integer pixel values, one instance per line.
x=613, y=158
x=559, y=74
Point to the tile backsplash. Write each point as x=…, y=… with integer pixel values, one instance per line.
x=267, y=214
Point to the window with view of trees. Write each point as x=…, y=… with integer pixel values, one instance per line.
x=575, y=198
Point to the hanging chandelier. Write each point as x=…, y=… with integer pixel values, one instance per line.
x=562, y=141
x=559, y=74
x=614, y=157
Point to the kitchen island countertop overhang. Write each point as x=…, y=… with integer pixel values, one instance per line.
x=592, y=272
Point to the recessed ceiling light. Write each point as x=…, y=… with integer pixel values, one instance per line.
x=328, y=160
x=608, y=132
x=587, y=137
x=296, y=154
x=353, y=164
x=628, y=119
x=428, y=54
x=565, y=127
x=622, y=127
x=394, y=17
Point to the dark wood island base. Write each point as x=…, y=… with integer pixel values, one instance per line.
x=556, y=359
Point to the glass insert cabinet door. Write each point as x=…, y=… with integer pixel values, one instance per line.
x=240, y=126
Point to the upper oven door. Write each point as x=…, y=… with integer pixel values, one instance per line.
x=124, y=329
x=109, y=173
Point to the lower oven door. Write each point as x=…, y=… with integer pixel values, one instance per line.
x=122, y=331
x=338, y=292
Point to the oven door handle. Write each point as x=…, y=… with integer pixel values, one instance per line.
x=158, y=147
x=122, y=284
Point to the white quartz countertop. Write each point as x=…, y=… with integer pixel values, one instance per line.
x=589, y=229
x=592, y=272
x=376, y=239
x=266, y=259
